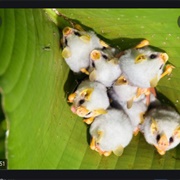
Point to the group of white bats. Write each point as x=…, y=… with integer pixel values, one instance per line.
x=118, y=97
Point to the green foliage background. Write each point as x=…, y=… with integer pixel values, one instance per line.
x=35, y=82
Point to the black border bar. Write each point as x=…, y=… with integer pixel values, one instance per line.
x=89, y=4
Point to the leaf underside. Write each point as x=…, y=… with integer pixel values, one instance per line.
x=35, y=82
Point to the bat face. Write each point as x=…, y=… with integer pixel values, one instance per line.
x=165, y=136
x=111, y=132
x=89, y=100
x=104, y=67
x=105, y=54
x=162, y=129
x=142, y=66
x=68, y=33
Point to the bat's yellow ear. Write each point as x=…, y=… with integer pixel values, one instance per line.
x=95, y=55
x=141, y=116
x=87, y=93
x=104, y=44
x=118, y=151
x=121, y=81
x=154, y=81
x=67, y=30
x=84, y=70
x=93, y=143
x=130, y=103
x=140, y=58
x=153, y=126
x=142, y=44
x=92, y=76
x=107, y=153
x=99, y=112
x=177, y=132
x=88, y=120
x=100, y=135
x=114, y=61
x=78, y=27
x=66, y=53
x=86, y=38
x=71, y=97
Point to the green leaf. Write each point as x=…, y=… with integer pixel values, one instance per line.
x=35, y=82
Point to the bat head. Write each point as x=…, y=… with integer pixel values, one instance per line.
x=80, y=99
x=166, y=134
x=150, y=62
x=105, y=54
x=69, y=32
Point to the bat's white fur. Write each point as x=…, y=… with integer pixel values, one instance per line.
x=142, y=73
x=106, y=71
x=99, y=98
x=80, y=50
x=116, y=129
x=125, y=92
x=167, y=121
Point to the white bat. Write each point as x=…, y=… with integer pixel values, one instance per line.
x=111, y=132
x=142, y=66
x=77, y=47
x=89, y=100
x=161, y=128
x=104, y=66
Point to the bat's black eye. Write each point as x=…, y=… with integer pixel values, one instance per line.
x=81, y=101
x=93, y=64
x=158, y=137
x=104, y=56
x=171, y=139
x=97, y=143
x=77, y=33
x=66, y=43
x=152, y=56
x=88, y=113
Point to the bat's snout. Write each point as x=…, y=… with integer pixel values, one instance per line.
x=163, y=144
x=73, y=109
x=82, y=111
